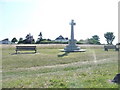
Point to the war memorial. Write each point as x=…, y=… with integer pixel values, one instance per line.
x=72, y=47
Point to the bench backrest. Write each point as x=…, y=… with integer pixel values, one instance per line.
x=110, y=47
x=25, y=47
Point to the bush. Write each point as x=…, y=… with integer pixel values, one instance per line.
x=51, y=42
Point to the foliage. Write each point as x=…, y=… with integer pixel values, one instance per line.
x=81, y=42
x=109, y=37
x=14, y=40
x=49, y=41
x=96, y=37
x=29, y=39
x=20, y=41
x=39, y=39
x=40, y=35
x=93, y=40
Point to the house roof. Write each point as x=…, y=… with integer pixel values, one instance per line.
x=5, y=39
x=60, y=38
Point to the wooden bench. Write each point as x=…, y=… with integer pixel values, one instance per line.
x=106, y=47
x=26, y=48
x=117, y=47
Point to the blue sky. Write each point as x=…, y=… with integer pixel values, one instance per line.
x=15, y=16
x=52, y=17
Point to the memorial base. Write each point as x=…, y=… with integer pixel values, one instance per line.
x=72, y=47
x=81, y=50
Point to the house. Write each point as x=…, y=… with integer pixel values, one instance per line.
x=61, y=39
x=5, y=41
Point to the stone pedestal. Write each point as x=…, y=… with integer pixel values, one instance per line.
x=72, y=47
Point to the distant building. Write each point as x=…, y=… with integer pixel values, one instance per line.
x=5, y=41
x=61, y=39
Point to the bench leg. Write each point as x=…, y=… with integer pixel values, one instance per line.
x=35, y=51
x=106, y=49
x=117, y=49
x=16, y=51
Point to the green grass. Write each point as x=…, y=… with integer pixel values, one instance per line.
x=50, y=68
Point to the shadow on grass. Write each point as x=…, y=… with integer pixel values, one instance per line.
x=23, y=53
x=64, y=54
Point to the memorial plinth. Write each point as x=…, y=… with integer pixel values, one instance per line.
x=72, y=47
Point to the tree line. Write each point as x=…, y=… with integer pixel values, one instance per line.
x=109, y=36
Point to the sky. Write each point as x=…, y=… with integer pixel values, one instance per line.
x=52, y=17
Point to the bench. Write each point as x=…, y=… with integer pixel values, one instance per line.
x=26, y=48
x=118, y=46
x=106, y=47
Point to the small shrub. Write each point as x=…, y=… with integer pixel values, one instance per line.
x=57, y=83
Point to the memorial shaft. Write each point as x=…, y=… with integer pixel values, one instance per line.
x=72, y=32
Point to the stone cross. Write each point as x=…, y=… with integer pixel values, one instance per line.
x=72, y=47
x=72, y=29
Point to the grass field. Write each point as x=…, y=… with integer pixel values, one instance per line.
x=50, y=68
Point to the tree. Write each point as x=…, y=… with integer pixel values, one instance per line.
x=93, y=40
x=81, y=41
x=40, y=35
x=109, y=37
x=40, y=38
x=96, y=37
x=20, y=41
x=29, y=39
x=49, y=39
x=14, y=40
